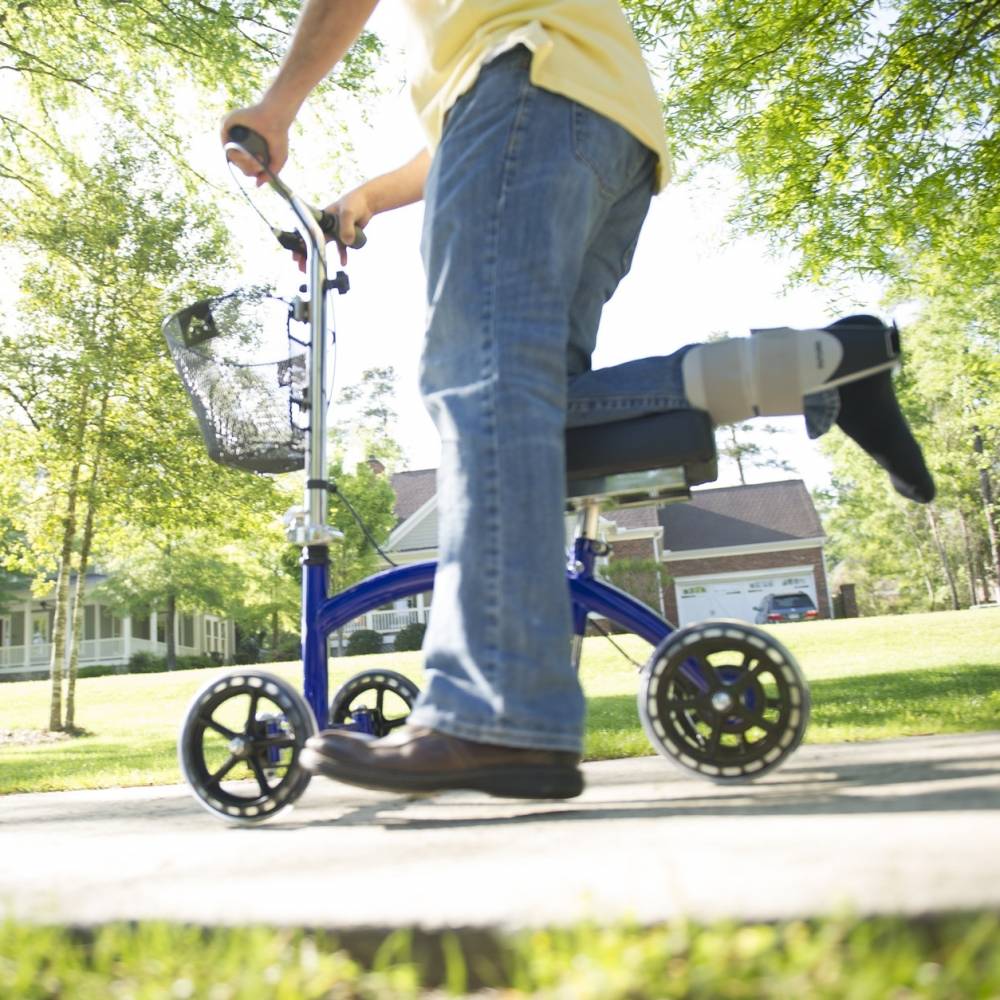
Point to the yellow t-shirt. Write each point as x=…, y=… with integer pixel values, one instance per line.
x=582, y=49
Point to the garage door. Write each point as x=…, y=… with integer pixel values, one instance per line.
x=738, y=596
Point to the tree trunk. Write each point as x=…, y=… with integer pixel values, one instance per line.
x=171, y=614
x=989, y=509
x=275, y=634
x=970, y=557
x=76, y=632
x=62, y=602
x=922, y=563
x=943, y=554
x=77, y=615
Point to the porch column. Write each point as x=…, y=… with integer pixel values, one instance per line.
x=127, y=636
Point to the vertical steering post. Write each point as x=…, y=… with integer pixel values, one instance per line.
x=316, y=496
x=315, y=573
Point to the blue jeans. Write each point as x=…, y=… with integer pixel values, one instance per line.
x=533, y=210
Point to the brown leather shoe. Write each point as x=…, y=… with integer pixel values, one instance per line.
x=413, y=759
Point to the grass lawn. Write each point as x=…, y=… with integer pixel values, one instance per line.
x=945, y=957
x=871, y=678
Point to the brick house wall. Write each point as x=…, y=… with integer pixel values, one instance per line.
x=747, y=563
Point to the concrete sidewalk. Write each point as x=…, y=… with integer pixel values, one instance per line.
x=905, y=826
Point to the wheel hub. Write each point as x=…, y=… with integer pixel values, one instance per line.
x=238, y=747
x=722, y=702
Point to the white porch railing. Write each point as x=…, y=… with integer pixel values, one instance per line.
x=388, y=621
x=101, y=650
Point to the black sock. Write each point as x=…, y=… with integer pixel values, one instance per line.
x=870, y=415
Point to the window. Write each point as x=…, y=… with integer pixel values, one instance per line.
x=140, y=626
x=161, y=626
x=90, y=621
x=215, y=635
x=186, y=630
x=4, y=631
x=111, y=625
x=16, y=621
x=39, y=628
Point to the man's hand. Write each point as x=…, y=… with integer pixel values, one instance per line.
x=352, y=209
x=273, y=129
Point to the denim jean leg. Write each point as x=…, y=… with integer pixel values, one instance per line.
x=510, y=211
x=634, y=388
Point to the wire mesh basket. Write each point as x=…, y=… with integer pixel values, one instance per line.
x=244, y=378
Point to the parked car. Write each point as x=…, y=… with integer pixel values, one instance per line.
x=797, y=607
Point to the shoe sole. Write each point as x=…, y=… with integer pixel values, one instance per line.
x=509, y=783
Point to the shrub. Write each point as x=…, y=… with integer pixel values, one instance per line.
x=146, y=663
x=101, y=669
x=365, y=640
x=289, y=648
x=410, y=637
x=196, y=661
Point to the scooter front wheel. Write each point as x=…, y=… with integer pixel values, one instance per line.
x=239, y=746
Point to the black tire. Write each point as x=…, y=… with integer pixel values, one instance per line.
x=388, y=696
x=723, y=700
x=246, y=771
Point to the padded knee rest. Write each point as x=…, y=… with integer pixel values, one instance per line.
x=680, y=438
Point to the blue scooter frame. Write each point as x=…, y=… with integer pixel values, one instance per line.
x=323, y=615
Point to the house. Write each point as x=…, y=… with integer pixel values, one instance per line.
x=108, y=637
x=726, y=548
x=721, y=551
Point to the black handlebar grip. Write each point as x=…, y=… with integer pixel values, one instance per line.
x=254, y=144
x=330, y=224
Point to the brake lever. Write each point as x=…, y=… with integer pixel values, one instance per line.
x=329, y=224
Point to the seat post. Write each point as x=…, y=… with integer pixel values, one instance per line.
x=590, y=518
x=582, y=563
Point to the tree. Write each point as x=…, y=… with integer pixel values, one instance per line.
x=85, y=371
x=944, y=554
x=371, y=402
x=865, y=134
x=173, y=573
x=142, y=64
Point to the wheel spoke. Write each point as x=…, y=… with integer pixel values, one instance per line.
x=716, y=738
x=708, y=675
x=252, y=714
x=754, y=719
x=215, y=779
x=258, y=773
x=210, y=723
x=395, y=723
x=742, y=682
x=680, y=704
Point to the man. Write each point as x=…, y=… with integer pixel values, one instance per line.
x=545, y=146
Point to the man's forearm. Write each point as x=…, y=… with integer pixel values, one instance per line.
x=325, y=30
x=399, y=187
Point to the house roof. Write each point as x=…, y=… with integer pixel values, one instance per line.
x=741, y=515
x=727, y=517
x=413, y=489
